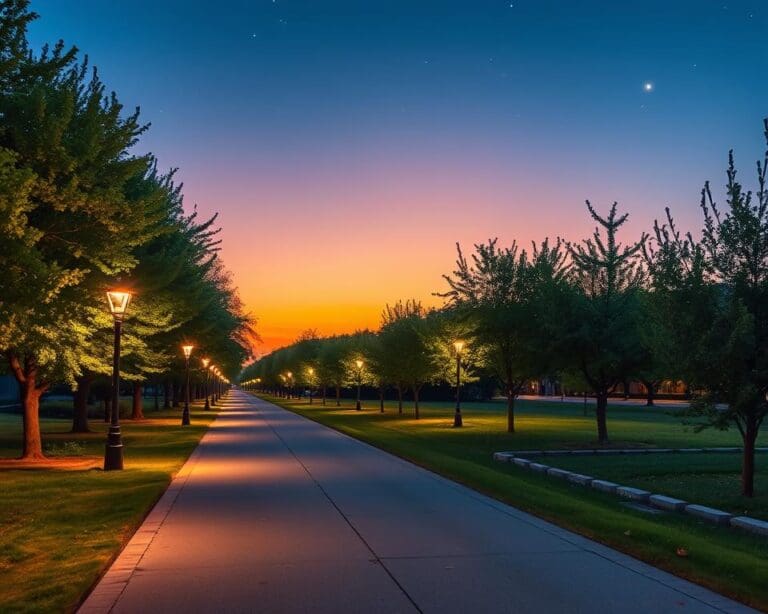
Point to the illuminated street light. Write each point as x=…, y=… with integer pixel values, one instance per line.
x=457, y=421
x=113, y=453
x=311, y=372
x=359, y=364
x=205, y=362
x=187, y=349
x=212, y=372
x=289, y=375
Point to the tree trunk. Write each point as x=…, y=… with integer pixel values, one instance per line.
x=650, y=393
x=325, y=391
x=600, y=412
x=29, y=393
x=80, y=404
x=400, y=400
x=748, y=462
x=416, y=402
x=107, y=407
x=30, y=403
x=381, y=399
x=167, y=394
x=510, y=411
x=156, y=392
x=137, y=411
x=338, y=396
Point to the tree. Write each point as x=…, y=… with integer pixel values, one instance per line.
x=407, y=356
x=599, y=328
x=730, y=265
x=332, y=361
x=499, y=294
x=75, y=221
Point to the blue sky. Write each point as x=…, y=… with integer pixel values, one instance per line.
x=424, y=123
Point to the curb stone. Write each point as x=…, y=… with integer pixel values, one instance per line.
x=671, y=504
x=667, y=503
x=709, y=514
x=636, y=494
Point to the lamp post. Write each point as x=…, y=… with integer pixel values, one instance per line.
x=205, y=362
x=311, y=372
x=359, y=364
x=289, y=375
x=457, y=421
x=185, y=414
x=113, y=453
x=212, y=375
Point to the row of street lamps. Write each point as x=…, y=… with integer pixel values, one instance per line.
x=113, y=454
x=458, y=346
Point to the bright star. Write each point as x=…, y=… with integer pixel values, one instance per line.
x=648, y=86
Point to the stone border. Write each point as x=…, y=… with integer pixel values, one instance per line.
x=617, y=451
x=669, y=504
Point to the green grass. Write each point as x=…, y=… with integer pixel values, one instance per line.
x=726, y=560
x=59, y=529
x=709, y=479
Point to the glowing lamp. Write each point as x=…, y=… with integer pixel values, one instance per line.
x=205, y=362
x=359, y=364
x=187, y=350
x=118, y=303
x=459, y=345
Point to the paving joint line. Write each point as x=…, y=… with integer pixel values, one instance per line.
x=579, y=541
x=379, y=560
x=176, y=485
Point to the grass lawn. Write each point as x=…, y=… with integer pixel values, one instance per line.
x=59, y=529
x=726, y=560
x=709, y=479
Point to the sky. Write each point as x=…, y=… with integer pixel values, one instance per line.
x=348, y=146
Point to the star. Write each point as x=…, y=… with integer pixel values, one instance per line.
x=647, y=86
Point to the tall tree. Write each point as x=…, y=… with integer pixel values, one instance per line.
x=600, y=330
x=731, y=361
x=499, y=293
x=406, y=340
x=69, y=144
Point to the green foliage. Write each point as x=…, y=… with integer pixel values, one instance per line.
x=502, y=296
x=597, y=325
x=80, y=212
x=724, y=282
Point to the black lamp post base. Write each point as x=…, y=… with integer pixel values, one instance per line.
x=113, y=452
x=357, y=407
x=207, y=405
x=185, y=417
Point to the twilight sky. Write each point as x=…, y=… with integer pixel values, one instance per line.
x=349, y=145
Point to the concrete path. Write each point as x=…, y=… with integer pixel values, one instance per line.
x=274, y=513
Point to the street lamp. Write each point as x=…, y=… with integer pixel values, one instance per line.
x=311, y=372
x=359, y=364
x=185, y=414
x=289, y=375
x=113, y=453
x=458, y=346
x=211, y=372
x=205, y=362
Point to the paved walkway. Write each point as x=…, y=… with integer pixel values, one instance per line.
x=274, y=513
